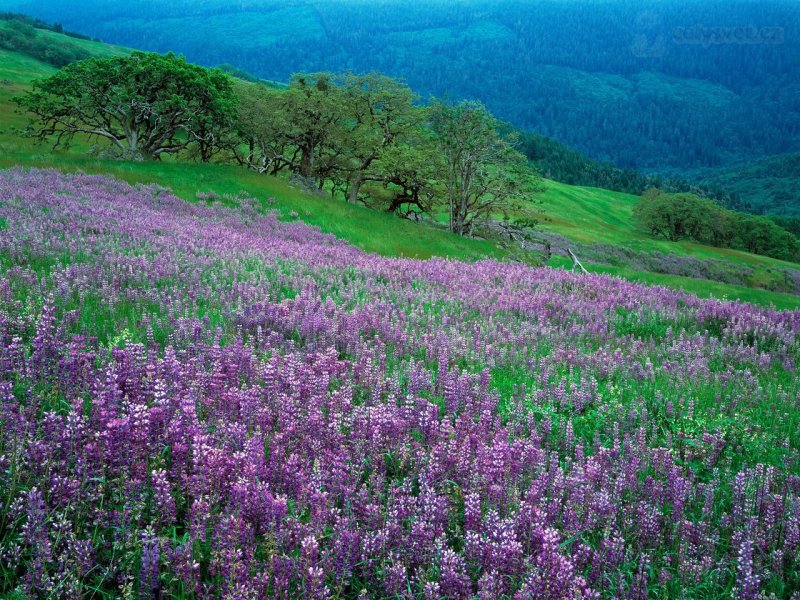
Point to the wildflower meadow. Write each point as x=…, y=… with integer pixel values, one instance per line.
x=203, y=400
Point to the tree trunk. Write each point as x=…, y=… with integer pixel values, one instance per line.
x=457, y=222
x=307, y=162
x=355, y=189
x=132, y=139
x=251, y=153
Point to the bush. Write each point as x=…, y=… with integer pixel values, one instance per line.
x=686, y=216
x=761, y=235
x=679, y=216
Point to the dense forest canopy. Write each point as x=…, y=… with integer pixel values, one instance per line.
x=676, y=85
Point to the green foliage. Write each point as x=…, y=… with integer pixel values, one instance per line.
x=313, y=110
x=677, y=216
x=410, y=173
x=261, y=126
x=145, y=104
x=380, y=117
x=238, y=73
x=363, y=136
x=790, y=224
x=686, y=216
x=562, y=163
x=39, y=24
x=298, y=129
x=761, y=235
x=332, y=129
x=768, y=185
x=483, y=172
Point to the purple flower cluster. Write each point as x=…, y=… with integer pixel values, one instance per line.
x=201, y=401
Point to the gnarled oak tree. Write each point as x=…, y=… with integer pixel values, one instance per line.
x=144, y=104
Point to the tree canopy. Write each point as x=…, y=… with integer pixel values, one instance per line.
x=483, y=172
x=350, y=133
x=685, y=216
x=144, y=104
x=365, y=138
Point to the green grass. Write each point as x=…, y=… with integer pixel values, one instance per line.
x=93, y=48
x=370, y=230
x=704, y=288
x=595, y=215
x=583, y=214
x=90, y=47
x=18, y=69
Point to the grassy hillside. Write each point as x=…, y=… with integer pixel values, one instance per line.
x=600, y=218
x=584, y=215
x=588, y=214
x=370, y=230
x=49, y=46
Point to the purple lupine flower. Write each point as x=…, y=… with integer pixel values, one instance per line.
x=162, y=496
x=149, y=571
x=269, y=412
x=747, y=581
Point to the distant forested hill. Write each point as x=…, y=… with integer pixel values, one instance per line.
x=770, y=185
x=679, y=86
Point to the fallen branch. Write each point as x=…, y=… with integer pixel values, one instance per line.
x=575, y=262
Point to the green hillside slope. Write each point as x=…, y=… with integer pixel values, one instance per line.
x=49, y=46
x=371, y=230
x=601, y=222
x=595, y=215
x=588, y=216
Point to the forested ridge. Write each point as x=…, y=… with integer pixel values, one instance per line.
x=644, y=89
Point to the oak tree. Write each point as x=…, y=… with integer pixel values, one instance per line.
x=145, y=105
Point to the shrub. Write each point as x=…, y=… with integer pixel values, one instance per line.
x=686, y=216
